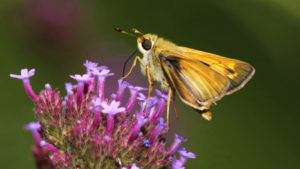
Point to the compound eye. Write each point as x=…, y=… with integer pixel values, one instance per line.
x=147, y=44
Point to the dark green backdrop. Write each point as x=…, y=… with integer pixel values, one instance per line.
x=255, y=128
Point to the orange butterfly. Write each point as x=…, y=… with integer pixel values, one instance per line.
x=199, y=78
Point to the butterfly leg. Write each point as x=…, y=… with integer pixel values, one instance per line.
x=151, y=84
x=133, y=65
x=168, y=104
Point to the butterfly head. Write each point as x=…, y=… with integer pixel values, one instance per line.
x=146, y=42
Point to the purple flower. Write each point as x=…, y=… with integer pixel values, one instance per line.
x=47, y=86
x=133, y=92
x=50, y=146
x=177, y=164
x=177, y=141
x=81, y=78
x=162, y=102
x=90, y=65
x=133, y=166
x=122, y=86
x=87, y=125
x=69, y=88
x=57, y=156
x=183, y=153
x=163, y=95
x=112, y=108
x=33, y=126
x=147, y=143
x=97, y=102
x=25, y=75
x=161, y=125
x=153, y=101
x=137, y=88
x=141, y=97
x=141, y=120
x=101, y=74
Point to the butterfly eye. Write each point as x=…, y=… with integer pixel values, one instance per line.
x=147, y=44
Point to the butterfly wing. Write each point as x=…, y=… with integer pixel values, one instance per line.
x=238, y=72
x=196, y=84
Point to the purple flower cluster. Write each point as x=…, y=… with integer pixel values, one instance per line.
x=85, y=129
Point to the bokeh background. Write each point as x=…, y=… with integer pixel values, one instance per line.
x=255, y=128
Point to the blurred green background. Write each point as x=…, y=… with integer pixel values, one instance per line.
x=255, y=128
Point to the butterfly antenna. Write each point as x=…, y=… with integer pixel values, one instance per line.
x=134, y=30
x=121, y=31
x=127, y=60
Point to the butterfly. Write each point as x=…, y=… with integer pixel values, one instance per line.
x=199, y=78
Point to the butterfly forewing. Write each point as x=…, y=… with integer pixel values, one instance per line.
x=193, y=80
x=238, y=72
